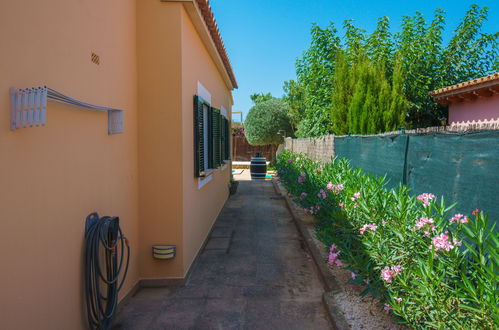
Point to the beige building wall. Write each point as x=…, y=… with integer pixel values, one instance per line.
x=52, y=177
x=202, y=201
x=160, y=134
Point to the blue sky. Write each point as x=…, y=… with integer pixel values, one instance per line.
x=264, y=37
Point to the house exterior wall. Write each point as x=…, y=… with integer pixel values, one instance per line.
x=151, y=60
x=483, y=108
x=52, y=177
x=201, y=205
x=160, y=135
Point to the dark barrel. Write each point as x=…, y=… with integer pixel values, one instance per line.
x=258, y=167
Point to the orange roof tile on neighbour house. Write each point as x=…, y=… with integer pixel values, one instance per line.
x=211, y=23
x=468, y=90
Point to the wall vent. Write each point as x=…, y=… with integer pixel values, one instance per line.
x=95, y=58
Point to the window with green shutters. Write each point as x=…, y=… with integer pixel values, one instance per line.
x=211, y=137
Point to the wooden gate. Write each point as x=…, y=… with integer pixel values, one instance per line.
x=243, y=151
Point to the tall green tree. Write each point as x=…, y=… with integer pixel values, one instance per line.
x=365, y=101
x=265, y=120
x=414, y=62
x=314, y=72
x=295, y=97
x=260, y=97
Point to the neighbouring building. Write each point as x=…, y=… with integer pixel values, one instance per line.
x=474, y=100
x=166, y=174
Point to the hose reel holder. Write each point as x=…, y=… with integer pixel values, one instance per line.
x=107, y=255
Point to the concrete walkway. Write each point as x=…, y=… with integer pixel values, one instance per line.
x=252, y=274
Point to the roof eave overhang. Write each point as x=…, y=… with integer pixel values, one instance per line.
x=197, y=18
x=467, y=93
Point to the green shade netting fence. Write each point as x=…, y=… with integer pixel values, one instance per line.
x=464, y=168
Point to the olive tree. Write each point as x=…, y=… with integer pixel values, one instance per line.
x=266, y=121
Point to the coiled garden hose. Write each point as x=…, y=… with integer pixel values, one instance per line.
x=105, y=247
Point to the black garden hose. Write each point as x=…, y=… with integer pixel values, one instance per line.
x=104, y=261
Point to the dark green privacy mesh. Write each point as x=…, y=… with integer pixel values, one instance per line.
x=464, y=168
x=379, y=155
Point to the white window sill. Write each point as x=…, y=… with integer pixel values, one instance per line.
x=224, y=166
x=204, y=180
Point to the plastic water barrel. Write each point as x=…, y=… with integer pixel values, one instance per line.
x=258, y=167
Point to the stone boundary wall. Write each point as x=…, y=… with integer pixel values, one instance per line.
x=322, y=148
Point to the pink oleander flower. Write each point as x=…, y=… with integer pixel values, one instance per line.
x=441, y=242
x=370, y=226
x=333, y=248
x=339, y=263
x=388, y=273
x=302, y=178
x=354, y=276
x=459, y=218
x=341, y=205
x=330, y=186
x=356, y=195
x=290, y=160
x=355, y=205
x=456, y=242
x=303, y=195
x=317, y=207
x=426, y=234
x=333, y=256
x=423, y=221
x=387, y=308
x=340, y=187
x=396, y=269
x=426, y=198
x=322, y=194
x=475, y=213
x=383, y=222
x=398, y=299
x=297, y=159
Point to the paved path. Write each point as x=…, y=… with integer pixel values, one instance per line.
x=252, y=274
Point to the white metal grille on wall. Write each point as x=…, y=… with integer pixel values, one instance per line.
x=28, y=108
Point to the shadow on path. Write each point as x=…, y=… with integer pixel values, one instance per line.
x=252, y=274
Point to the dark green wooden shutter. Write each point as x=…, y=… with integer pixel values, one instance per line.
x=224, y=139
x=216, y=137
x=227, y=139
x=211, y=159
x=198, y=138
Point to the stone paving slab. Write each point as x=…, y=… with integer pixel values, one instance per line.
x=260, y=278
x=218, y=243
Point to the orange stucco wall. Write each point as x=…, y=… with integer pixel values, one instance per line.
x=160, y=134
x=52, y=177
x=200, y=205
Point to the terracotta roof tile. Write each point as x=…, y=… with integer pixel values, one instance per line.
x=471, y=83
x=211, y=23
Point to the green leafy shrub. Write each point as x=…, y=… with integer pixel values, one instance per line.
x=417, y=52
x=432, y=268
x=264, y=121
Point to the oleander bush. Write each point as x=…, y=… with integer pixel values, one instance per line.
x=432, y=268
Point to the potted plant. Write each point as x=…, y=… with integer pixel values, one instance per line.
x=233, y=186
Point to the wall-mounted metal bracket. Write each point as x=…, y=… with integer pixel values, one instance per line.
x=28, y=108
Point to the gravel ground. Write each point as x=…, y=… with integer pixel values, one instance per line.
x=360, y=312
